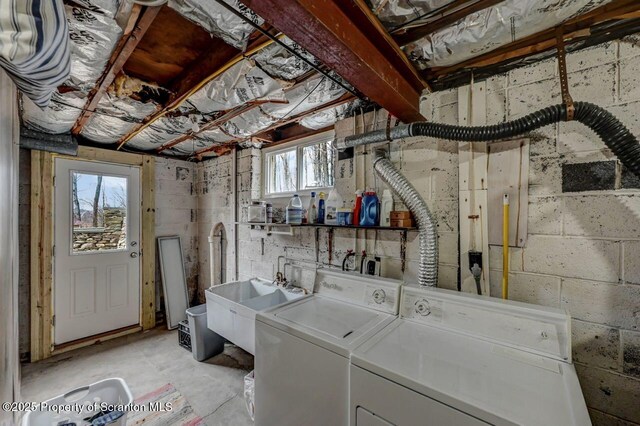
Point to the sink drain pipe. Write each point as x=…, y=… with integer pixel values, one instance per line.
x=612, y=132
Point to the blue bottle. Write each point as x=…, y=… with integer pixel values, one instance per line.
x=321, y=208
x=370, y=211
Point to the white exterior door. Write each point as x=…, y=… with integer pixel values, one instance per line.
x=96, y=248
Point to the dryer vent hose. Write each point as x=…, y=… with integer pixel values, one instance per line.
x=612, y=132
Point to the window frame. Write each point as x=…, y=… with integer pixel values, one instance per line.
x=298, y=145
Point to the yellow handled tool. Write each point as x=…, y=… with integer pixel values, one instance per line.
x=505, y=247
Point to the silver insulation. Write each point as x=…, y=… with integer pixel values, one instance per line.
x=281, y=63
x=493, y=27
x=93, y=38
x=328, y=117
x=115, y=117
x=242, y=83
x=165, y=130
x=427, y=226
x=218, y=21
x=106, y=7
x=58, y=117
x=393, y=13
x=306, y=96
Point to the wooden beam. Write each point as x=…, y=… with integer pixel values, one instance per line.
x=543, y=40
x=416, y=33
x=139, y=22
x=148, y=246
x=348, y=39
x=208, y=66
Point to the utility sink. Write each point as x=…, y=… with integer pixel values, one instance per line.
x=232, y=307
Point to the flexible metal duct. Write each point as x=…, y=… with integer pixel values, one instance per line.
x=612, y=132
x=428, y=235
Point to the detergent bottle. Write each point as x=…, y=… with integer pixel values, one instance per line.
x=370, y=213
x=357, y=207
x=321, y=208
x=386, y=206
x=294, y=210
x=334, y=202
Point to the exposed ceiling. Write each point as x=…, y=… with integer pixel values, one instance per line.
x=192, y=78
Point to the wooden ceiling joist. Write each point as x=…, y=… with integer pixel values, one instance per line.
x=416, y=33
x=139, y=22
x=543, y=40
x=347, y=38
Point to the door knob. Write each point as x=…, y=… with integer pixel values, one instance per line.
x=134, y=254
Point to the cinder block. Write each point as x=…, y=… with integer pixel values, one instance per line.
x=590, y=57
x=447, y=275
x=528, y=288
x=595, y=344
x=545, y=216
x=598, y=418
x=610, y=392
x=631, y=262
x=572, y=257
x=596, y=84
x=631, y=353
x=496, y=106
x=263, y=270
x=615, y=305
x=446, y=214
x=542, y=142
x=629, y=46
x=629, y=180
x=545, y=176
x=543, y=70
x=630, y=78
x=525, y=99
x=576, y=138
x=614, y=216
x=593, y=176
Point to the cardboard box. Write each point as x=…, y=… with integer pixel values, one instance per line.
x=400, y=214
x=402, y=223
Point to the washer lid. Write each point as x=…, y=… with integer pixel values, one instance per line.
x=493, y=382
x=338, y=320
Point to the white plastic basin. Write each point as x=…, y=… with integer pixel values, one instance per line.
x=232, y=307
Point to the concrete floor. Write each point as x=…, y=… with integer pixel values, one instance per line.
x=147, y=361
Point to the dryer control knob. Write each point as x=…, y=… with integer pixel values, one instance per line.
x=422, y=307
x=379, y=296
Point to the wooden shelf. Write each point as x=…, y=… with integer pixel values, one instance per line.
x=322, y=225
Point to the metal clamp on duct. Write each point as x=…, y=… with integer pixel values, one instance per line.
x=612, y=132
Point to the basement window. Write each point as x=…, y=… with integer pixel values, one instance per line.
x=302, y=166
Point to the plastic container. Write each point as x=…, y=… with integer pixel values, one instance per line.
x=321, y=209
x=257, y=212
x=110, y=391
x=386, y=207
x=344, y=216
x=250, y=394
x=370, y=213
x=312, y=211
x=334, y=202
x=357, y=207
x=294, y=210
x=204, y=342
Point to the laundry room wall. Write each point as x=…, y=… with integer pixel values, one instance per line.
x=176, y=214
x=583, y=247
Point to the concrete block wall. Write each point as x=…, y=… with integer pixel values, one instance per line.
x=583, y=248
x=177, y=214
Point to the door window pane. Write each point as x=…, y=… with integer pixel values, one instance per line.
x=98, y=212
x=282, y=169
x=317, y=165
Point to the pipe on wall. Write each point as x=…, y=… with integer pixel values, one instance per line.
x=612, y=132
x=428, y=233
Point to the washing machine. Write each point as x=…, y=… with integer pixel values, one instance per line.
x=458, y=359
x=303, y=348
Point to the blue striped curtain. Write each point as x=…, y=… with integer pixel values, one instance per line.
x=34, y=46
